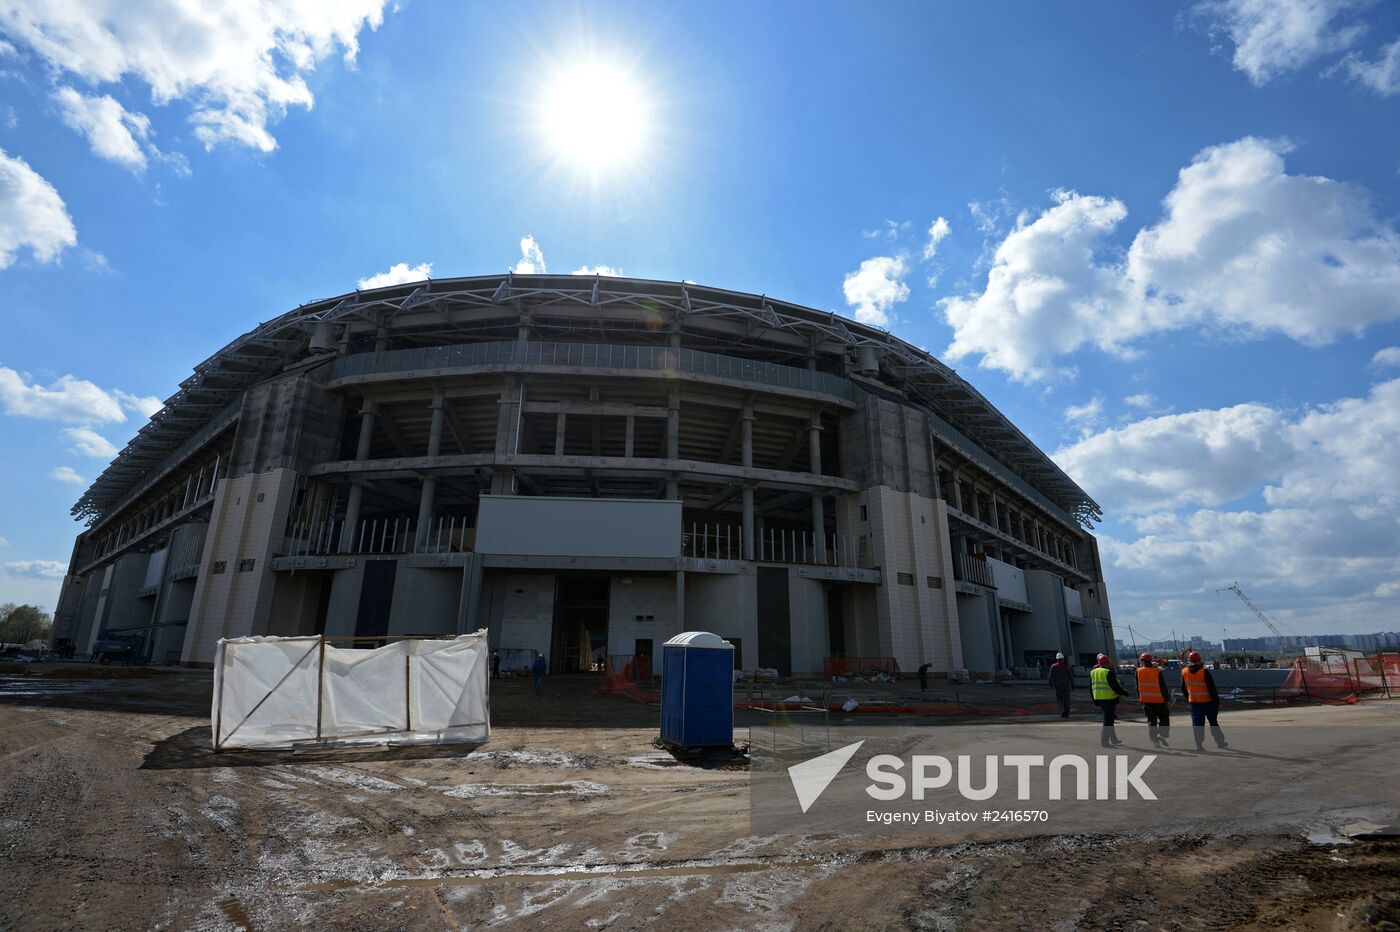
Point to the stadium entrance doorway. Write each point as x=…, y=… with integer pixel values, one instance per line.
x=580, y=623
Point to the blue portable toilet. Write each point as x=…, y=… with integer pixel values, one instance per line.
x=697, y=691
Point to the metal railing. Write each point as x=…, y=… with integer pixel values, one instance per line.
x=592, y=356
x=726, y=542
x=969, y=568
x=387, y=535
x=177, y=456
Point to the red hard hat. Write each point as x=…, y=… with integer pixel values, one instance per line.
x=1194, y=656
x=1103, y=658
x=1145, y=658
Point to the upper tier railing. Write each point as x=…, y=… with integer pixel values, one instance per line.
x=592, y=356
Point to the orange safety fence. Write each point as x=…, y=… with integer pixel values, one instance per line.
x=630, y=676
x=1341, y=680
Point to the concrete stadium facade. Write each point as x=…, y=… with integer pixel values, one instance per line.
x=586, y=467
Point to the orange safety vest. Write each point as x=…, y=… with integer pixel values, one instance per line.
x=1150, y=685
x=1196, y=688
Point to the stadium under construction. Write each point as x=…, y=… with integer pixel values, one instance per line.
x=587, y=466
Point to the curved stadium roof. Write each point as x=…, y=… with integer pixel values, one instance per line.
x=204, y=397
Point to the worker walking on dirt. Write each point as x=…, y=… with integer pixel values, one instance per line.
x=539, y=669
x=1204, y=701
x=1107, y=691
x=1154, y=696
x=1062, y=681
x=923, y=676
x=495, y=664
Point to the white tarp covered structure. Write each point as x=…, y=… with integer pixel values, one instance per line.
x=285, y=692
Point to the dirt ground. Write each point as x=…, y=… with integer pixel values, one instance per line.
x=115, y=814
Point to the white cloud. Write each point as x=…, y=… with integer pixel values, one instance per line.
x=1200, y=457
x=67, y=474
x=1087, y=414
x=1381, y=75
x=1388, y=358
x=144, y=405
x=45, y=569
x=113, y=132
x=531, y=257
x=937, y=232
x=89, y=442
x=889, y=229
x=32, y=214
x=239, y=64
x=70, y=399
x=606, y=270
x=397, y=274
x=1045, y=295
x=1140, y=400
x=1243, y=249
x=875, y=288
x=1314, y=538
x=1257, y=248
x=1272, y=37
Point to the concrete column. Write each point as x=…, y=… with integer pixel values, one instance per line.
x=814, y=445
x=507, y=433
x=357, y=489
x=746, y=436
x=425, y=499
x=680, y=599
x=561, y=422
x=631, y=436
x=957, y=493
x=673, y=439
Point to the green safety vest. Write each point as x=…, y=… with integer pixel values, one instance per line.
x=1098, y=678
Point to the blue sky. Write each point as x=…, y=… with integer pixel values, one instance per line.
x=1169, y=249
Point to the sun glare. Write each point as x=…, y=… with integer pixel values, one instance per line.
x=595, y=118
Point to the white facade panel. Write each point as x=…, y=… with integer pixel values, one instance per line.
x=1010, y=581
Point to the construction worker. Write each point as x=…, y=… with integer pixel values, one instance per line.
x=1062, y=681
x=923, y=676
x=1203, y=700
x=1154, y=696
x=1107, y=690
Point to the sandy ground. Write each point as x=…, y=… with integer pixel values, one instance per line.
x=114, y=814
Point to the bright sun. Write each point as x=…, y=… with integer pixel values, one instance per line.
x=595, y=118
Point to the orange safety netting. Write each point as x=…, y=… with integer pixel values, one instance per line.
x=1342, y=681
x=625, y=677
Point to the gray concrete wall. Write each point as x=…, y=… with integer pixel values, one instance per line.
x=727, y=605
x=344, y=604
x=976, y=621
x=287, y=423
x=123, y=608
x=651, y=597
x=93, y=606
x=249, y=515
x=578, y=527
x=810, y=638
x=425, y=600
x=1044, y=629
x=884, y=443
x=905, y=533
x=518, y=610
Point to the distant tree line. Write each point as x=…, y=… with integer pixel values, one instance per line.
x=20, y=624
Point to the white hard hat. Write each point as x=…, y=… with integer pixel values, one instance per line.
x=1059, y=656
